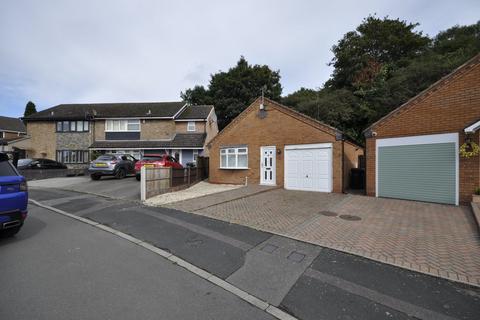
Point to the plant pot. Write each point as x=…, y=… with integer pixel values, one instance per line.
x=476, y=198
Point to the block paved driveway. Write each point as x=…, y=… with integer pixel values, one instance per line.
x=439, y=240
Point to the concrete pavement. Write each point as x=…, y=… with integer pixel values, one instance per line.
x=278, y=269
x=57, y=268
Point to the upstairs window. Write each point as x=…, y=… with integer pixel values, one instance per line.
x=234, y=158
x=132, y=125
x=191, y=126
x=72, y=126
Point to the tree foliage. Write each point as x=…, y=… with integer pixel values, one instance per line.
x=232, y=91
x=29, y=109
x=378, y=67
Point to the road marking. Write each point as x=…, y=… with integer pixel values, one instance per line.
x=375, y=296
x=198, y=229
x=245, y=296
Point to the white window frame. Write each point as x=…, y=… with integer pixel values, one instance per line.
x=195, y=155
x=121, y=125
x=191, y=126
x=228, y=151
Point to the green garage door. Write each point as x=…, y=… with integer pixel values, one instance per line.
x=423, y=172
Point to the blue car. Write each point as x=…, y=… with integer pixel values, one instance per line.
x=13, y=198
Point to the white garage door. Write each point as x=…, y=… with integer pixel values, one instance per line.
x=308, y=167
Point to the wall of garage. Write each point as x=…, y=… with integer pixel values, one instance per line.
x=278, y=127
x=449, y=107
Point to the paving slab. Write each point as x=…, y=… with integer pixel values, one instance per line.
x=273, y=267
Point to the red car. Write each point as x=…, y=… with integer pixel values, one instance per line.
x=156, y=160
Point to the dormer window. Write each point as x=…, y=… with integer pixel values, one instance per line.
x=191, y=126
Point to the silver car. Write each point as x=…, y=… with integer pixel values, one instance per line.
x=117, y=165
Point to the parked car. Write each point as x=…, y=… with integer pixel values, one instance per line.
x=40, y=164
x=156, y=160
x=117, y=165
x=13, y=198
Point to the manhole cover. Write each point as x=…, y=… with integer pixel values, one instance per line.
x=350, y=217
x=296, y=256
x=328, y=213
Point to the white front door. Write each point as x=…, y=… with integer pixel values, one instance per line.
x=267, y=165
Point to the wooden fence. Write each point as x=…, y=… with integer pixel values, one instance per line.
x=155, y=181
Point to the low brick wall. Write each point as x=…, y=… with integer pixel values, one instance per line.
x=39, y=174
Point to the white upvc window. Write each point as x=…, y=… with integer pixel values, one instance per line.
x=122, y=125
x=191, y=126
x=195, y=155
x=234, y=158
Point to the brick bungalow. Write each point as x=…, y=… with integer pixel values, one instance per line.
x=413, y=152
x=271, y=144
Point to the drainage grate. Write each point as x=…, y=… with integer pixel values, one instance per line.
x=349, y=217
x=269, y=248
x=328, y=213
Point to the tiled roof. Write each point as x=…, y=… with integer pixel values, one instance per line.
x=12, y=124
x=195, y=112
x=108, y=110
x=181, y=140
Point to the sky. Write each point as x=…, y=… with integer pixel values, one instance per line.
x=64, y=51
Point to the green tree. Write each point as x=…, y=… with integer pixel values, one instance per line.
x=378, y=67
x=29, y=109
x=361, y=54
x=232, y=91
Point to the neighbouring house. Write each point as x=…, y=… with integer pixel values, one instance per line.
x=13, y=135
x=413, y=152
x=271, y=144
x=74, y=133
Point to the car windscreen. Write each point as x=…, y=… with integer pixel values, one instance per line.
x=106, y=158
x=6, y=169
x=152, y=158
x=24, y=162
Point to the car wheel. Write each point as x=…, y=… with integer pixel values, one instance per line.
x=120, y=173
x=137, y=177
x=9, y=232
x=95, y=177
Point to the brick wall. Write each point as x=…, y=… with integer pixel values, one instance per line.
x=276, y=129
x=157, y=129
x=181, y=127
x=99, y=129
x=448, y=108
x=42, y=139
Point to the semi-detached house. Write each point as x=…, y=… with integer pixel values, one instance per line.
x=74, y=133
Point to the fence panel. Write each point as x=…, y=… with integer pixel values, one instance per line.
x=154, y=181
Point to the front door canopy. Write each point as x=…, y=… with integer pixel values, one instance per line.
x=473, y=127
